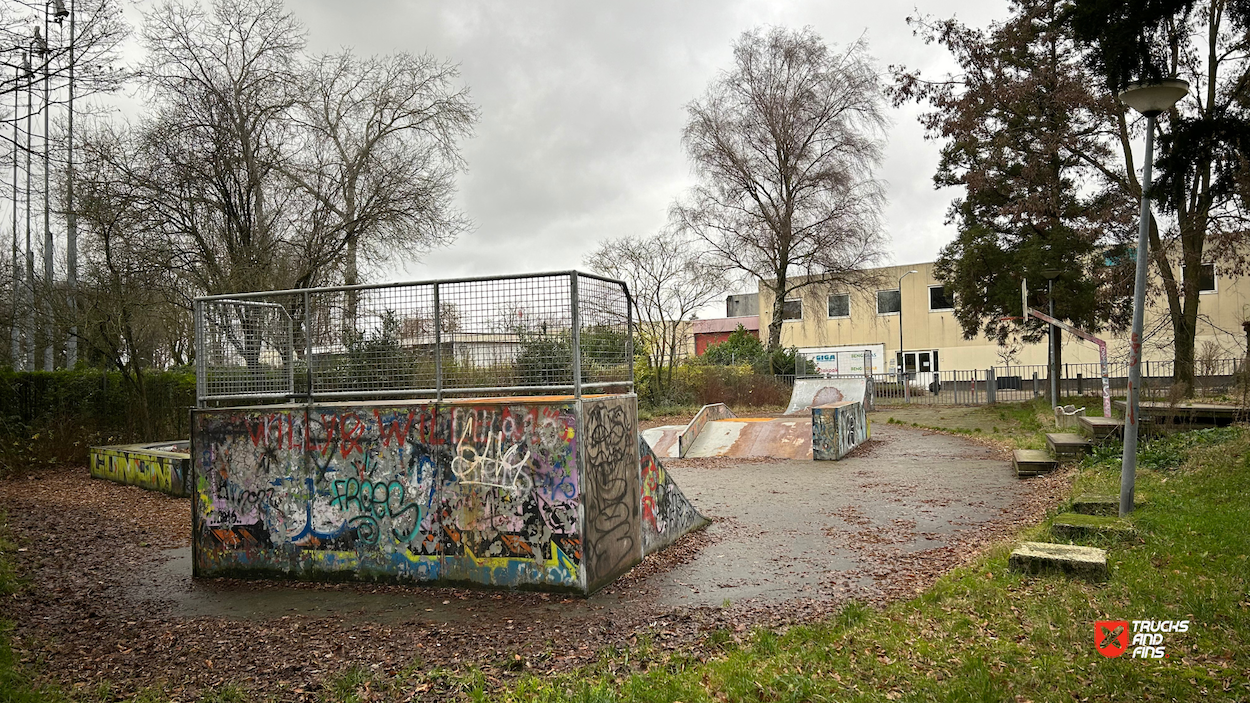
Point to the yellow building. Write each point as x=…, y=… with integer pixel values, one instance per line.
x=824, y=317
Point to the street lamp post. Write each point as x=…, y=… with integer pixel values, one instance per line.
x=1052, y=367
x=1150, y=100
x=902, y=359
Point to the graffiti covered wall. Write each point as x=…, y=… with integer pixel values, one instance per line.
x=487, y=491
x=155, y=467
x=611, y=488
x=837, y=428
x=666, y=513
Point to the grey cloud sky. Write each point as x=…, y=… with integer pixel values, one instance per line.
x=583, y=103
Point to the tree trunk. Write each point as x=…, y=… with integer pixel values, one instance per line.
x=774, y=324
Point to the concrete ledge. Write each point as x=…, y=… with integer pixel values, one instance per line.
x=1066, y=445
x=1101, y=505
x=1088, y=563
x=1078, y=526
x=1032, y=462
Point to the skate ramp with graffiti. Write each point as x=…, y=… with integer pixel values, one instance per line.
x=156, y=466
x=837, y=429
x=779, y=438
x=543, y=493
x=666, y=513
x=809, y=392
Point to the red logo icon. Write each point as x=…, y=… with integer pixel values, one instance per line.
x=1111, y=637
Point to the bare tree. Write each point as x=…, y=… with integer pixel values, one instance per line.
x=266, y=169
x=128, y=312
x=380, y=155
x=784, y=146
x=670, y=280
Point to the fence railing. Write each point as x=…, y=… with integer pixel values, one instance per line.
x=565, y=332
x=1018, y=383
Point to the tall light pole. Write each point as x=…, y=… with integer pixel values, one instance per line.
x=902, y=359
x=1148, y=99
x=1052, y=366
x=49, y=330
x=29, y=317
x=71, y=217
x=15, y=331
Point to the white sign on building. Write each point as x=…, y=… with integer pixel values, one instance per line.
x=846, y=361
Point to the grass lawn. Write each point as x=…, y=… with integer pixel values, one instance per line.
x=1016, y=425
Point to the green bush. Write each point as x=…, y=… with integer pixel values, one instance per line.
x=54, y=417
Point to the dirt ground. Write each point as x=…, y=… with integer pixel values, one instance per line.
x=109, y=595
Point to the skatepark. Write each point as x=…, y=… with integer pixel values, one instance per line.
x=356, y=532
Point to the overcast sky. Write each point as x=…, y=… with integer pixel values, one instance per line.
x=583, y=103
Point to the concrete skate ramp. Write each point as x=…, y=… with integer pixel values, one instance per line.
x=662, y=440
x=824, y=391
x=666, y=513
x=781, y=438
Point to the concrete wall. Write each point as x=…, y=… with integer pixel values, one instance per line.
x=838, y=428
x=666, y=513
x=530, y=492
x=160, y=466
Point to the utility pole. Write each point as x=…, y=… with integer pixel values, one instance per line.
x=30, y=252
x=71, y=217
x=15, y=330
x=49, y=328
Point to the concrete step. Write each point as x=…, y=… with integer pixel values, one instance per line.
x=1101, y=428
x=1066, y=445
x=1032, y=462
x=1079, y=526
x=1043, y=557
x=1097, y=505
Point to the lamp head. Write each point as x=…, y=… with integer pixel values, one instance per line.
x=1051, y=274
x=1152, y=98
x=59, y=13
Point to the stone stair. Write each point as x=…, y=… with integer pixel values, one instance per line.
x=1066, y=445
x=1069, y=559
x=1078, y=526
x=1100, y=429
x=1032, y=462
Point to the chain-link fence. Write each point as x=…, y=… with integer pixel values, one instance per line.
x=565, y=332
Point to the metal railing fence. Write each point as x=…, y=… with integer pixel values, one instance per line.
x=1016, y=383
x=564, y=332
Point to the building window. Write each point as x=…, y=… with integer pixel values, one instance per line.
x=1206, y=278
x=839, y=305
x=792, y=310
x=938, y=299
x=889, y=302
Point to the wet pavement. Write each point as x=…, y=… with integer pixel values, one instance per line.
x=781, y=530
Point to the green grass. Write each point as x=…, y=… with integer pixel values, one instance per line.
x=1020, y=425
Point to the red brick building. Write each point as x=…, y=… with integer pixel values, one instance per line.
x=709, y=332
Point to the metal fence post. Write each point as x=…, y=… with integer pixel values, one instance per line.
x=438, y=346
x=290, y=356
x=991, y=387
x=577, y=335
x=629, y=335
x=1034, y=384
x=201, y=364
x=308, y=333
